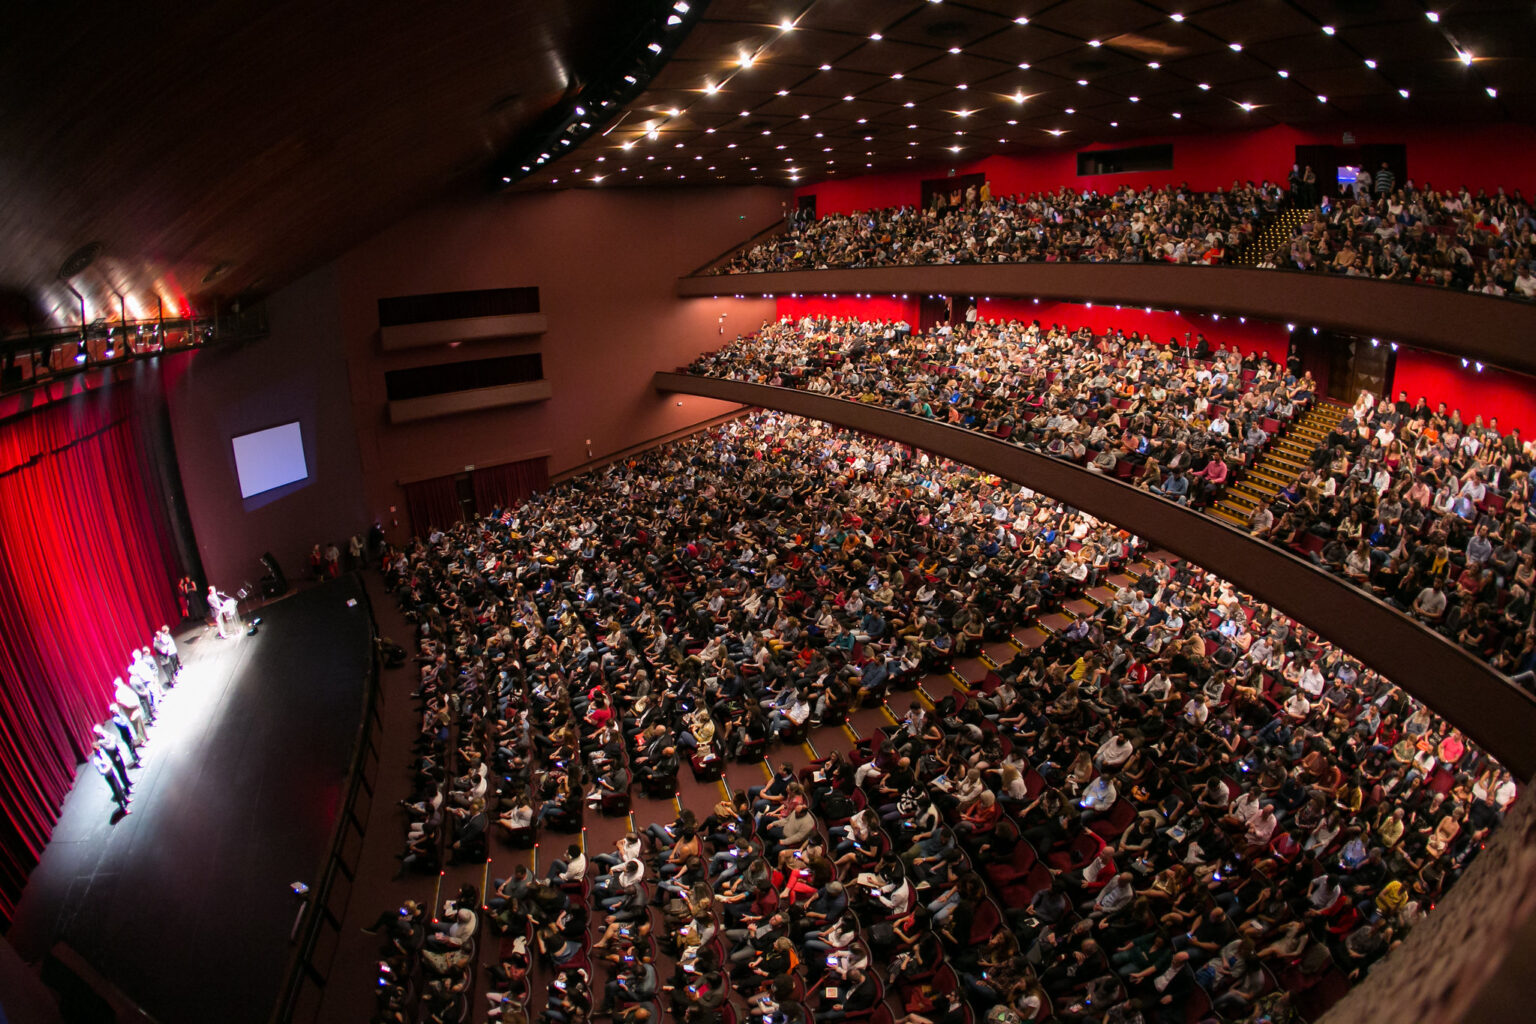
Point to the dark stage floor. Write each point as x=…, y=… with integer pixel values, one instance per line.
x=184, y=903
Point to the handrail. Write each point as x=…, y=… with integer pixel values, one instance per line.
x=773, y=228
x=316, y=911
x=1462, y=689
x=1457, y=323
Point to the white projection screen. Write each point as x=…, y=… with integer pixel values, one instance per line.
x=269, y=458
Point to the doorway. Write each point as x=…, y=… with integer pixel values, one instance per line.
x=947, y=187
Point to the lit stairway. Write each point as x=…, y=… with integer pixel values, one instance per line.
x=1274, y=235
x=1284, y=459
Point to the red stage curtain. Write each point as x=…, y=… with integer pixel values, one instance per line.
x=510, y=483
x=432, y=503
x=86, y=575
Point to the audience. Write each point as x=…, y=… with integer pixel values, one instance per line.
x=1182, y=792
x=1454, y=239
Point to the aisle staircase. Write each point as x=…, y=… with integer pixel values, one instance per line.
x=1281, y=462
x=1276, y=234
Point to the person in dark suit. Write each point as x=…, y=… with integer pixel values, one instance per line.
x=854, y=994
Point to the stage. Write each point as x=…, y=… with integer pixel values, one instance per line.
x=184, y=903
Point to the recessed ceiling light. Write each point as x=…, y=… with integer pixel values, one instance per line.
x=711, y=88
x=954, y=49
x=1327, y=30
x=1466, y=56
x=1058, y=132
x=745, y=60
x=628, y=145
x=1071, y=110
x=876, y=36
x=1205, y=87
x=1491, y=91
x=1283, y=73
x=898, y=76
x=1154, y=65
x=1176, y=114
x=1403, y=93
x=805, y=117
x=962, y=85
x=653, y=135
x=1176, y=17
x=1246, y=106
x=746, y=113
x=863, y=120
x=709, y=131
x=954, y=149
x=848, y=98
x=786, y=25
x=909, y=104
x=1024, y=66
x=731, y=145
x=1321, y=98
x=1134, y=99
x=1114, y=124
x=962, y=113
x=783, y=92
x=1021, y=20
x=1433, y=16
x=1018, y=97
x=826, y=67
x=1013, y=122
x=1094, y=43
x=1002, y=140
x=1236, y=47
x=1082, y=81
x=911, y=127
x=1370, y=64
x=673, y=112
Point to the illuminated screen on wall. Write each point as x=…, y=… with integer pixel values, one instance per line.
x=267, y=459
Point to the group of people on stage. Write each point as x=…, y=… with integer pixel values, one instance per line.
x=135, y=702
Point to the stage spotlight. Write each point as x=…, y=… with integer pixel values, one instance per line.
x=81, y=354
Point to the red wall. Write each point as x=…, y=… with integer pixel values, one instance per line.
x=869, y=307
x=1479, y=157
x=1253, y=336
x=1509, y=396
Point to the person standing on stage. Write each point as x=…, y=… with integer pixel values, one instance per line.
x=226, y=610
x=103, y=764
x=165, y=644
x=131, y=699
x=105, y=740
x=132, y=734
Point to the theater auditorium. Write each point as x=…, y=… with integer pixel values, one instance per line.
x=768, y=512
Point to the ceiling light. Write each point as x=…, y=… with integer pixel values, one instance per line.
x=805, y=117
x=745, y=60
x=1322, y=98
x=1205, y=87
x=1082, y=81
x=954, y=149
x=786, y=25
x=1024, y=66
x=1236, y=47
x=876, y=36
x=783, y=92
x=1403, y=93
x=1433, y=16
x=746, y=113
x=826, y=67
x=863, y=120
x=1002, y=140
x=1176, y=114
x=711, y=88
x=1491, y=91
x=1154, y=65
x=673, y=112
x=653, y=135
x=1058, y=132
x=707, y=131
x=1018, y=97
x=954, y=49
x=962, y=113
x=673, y=20
x=654, y=47
x=1071, y=110
x=1013, y=122
x=898, y=76
x=1283, y=73
x=597, y=177
x=1134, y=99
x=1327, y=30
x=506, y=180
x=909, y=104
x=730, y=145
x=1176, y=17
x=1094, y=43
x=1370, y=64
x=848, y=98
x=1466, y=57
x=1114, y=124
x=1246, y=106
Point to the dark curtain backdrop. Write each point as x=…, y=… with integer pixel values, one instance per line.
x=509, y=483
x=432, y=503
x=87, y=568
